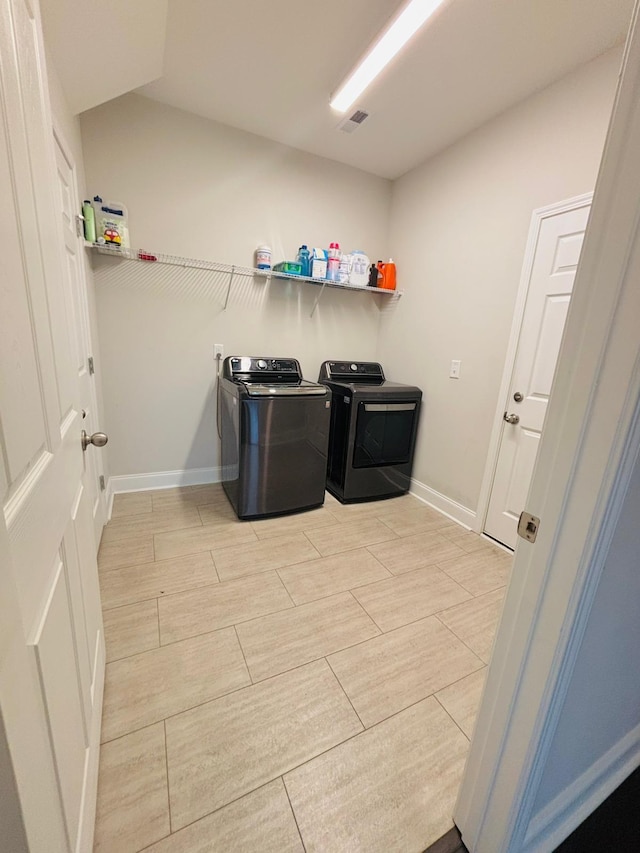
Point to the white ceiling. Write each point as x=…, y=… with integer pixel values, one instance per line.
x=269, y=68
x=103, y=50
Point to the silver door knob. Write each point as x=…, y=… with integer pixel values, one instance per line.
x=511, y=419
x=98, y=439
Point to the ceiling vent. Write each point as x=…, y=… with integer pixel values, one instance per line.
x=348, y=125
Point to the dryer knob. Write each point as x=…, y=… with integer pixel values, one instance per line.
x=262, y=364
x=354, y=367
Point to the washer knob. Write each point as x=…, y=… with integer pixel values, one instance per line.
x=262, y=364
x=354, y=367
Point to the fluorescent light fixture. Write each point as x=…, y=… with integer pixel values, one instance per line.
x=409, y=21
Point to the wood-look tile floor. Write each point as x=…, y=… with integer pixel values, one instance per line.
x=302, y=683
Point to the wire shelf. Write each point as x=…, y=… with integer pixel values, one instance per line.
x=148, y=257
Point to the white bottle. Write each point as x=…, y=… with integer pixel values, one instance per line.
x=360, y=264
x=344, y=270
x=263, y=258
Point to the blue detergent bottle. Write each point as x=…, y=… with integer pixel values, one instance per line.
x=304, y=259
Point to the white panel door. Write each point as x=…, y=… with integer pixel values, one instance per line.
x=78, y=319
x=51, y=643
x=553, y=270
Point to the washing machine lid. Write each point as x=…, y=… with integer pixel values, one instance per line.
x=303, y=388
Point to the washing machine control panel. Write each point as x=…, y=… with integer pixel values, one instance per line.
x=245, y=367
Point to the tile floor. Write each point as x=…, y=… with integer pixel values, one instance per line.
x=302, y=683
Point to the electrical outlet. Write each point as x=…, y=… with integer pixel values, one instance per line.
x=218, y=350
x=454, y=372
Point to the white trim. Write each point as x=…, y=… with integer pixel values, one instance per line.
x=453, y=510
x=585, y=461
x=537, y=218
x=570, y=807
x=162, y=480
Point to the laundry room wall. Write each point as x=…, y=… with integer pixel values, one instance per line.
x=203, y=190
x=459, y=226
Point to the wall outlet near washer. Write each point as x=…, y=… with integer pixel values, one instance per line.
x=454, y=372
x=218, y=350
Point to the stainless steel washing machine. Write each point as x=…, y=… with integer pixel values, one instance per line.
x=274, y=434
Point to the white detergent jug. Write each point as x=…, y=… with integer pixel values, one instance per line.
x=360, y=264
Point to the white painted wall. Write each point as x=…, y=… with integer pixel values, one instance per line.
x=200, y=189
x=459, y=225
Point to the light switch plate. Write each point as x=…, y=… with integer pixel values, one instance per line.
x=454, y=372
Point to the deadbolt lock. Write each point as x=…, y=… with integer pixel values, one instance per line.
x=518, y=397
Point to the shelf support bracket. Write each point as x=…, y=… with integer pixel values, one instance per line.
x=231, y=275
x=318, y=298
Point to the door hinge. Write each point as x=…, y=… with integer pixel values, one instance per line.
x=92, y=368
x=79, y=225
x=528, y=526
x=101, y=481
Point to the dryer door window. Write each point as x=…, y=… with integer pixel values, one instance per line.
x=384, y=434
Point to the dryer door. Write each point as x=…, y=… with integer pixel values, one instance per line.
x=385, y=433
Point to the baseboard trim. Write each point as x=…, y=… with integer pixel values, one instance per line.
x=199, y=476
x=453, y=510
x=162, y=480
x=557, y=820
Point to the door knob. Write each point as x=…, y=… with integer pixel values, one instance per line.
x=511, y=419
x=98, y=439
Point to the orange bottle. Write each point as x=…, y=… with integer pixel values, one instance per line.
x=388, y=271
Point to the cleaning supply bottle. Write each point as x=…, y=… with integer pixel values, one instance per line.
x=359, y=272
x=304, y=259
x=263, y=258
x=388, y=275
x=333, y=262
x=374, y=275
x=89, y=216
x=344, y=270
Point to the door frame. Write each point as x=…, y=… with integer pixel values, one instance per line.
x=60, y=139
x=587, y=455
x=537, y=219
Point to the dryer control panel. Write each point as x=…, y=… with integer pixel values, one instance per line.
x=351, y=371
